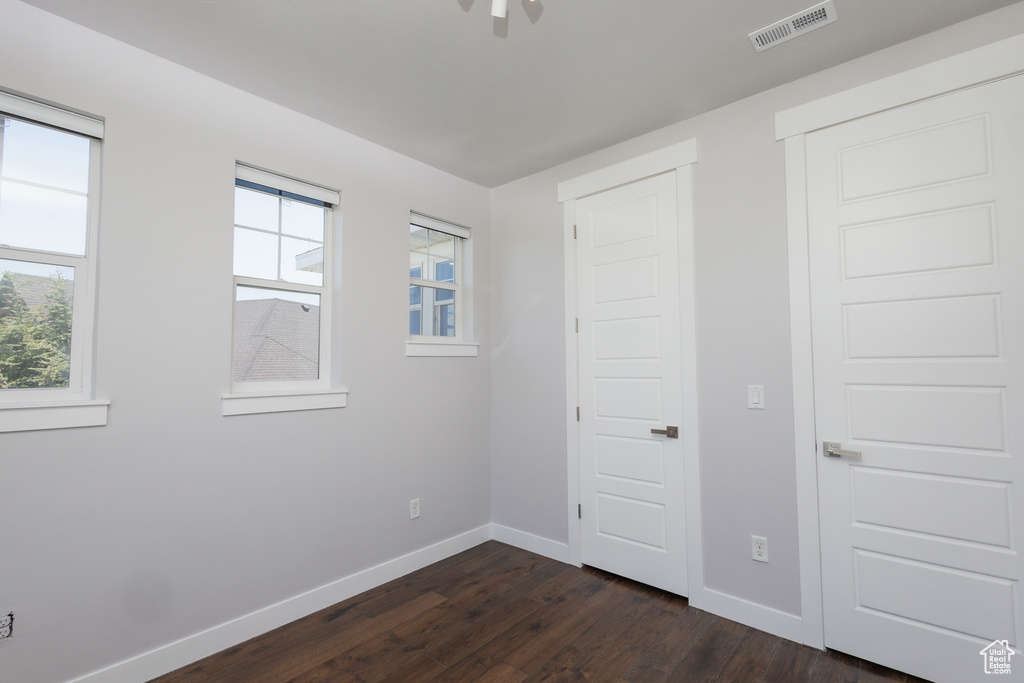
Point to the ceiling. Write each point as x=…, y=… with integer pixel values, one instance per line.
x=492, y=100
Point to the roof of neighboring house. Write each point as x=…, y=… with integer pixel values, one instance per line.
x=276, y=340
x=33, y=288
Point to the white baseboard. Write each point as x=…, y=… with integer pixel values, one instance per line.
x=749, y=613
x=776, y=622
x=175, y=655
x=531, y=542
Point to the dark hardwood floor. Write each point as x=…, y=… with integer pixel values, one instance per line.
x=499, y=614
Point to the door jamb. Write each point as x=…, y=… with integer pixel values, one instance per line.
x=996, y=61
x=678, y=158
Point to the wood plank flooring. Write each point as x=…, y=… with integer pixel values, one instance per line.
x=502, y=615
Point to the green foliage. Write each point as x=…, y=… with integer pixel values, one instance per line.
x=35, y=342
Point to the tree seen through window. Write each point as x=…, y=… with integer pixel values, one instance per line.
x=35, y=327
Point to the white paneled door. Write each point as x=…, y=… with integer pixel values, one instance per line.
x=916, y=237
x=631, y=478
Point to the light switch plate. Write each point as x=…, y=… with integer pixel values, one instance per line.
x=755, y=396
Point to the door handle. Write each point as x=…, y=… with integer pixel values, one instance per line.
x=669, y=431
x=832, y=449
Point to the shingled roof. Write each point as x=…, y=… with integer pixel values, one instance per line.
x=33, y=288
x=276, y=340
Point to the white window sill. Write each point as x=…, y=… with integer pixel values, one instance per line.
x=282, y=401
x=26, y=417
x=437, y=348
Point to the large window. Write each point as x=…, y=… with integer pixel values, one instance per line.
x=49, y=180
x=439, y=298
x=282, y=282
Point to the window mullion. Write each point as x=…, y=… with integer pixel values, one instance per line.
x=13, y=254
x=43, y=186
x=279, y=285
x=281, y=217
x=262, y=230
x=418, y=281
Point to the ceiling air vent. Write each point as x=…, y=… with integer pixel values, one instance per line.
x=791, y=27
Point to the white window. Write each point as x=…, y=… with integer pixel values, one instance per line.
x=282, y=293
x=49, y=189
x=440, y=302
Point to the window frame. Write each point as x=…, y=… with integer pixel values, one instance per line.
x=247, y=397
x=461, y=344
x=75, y=405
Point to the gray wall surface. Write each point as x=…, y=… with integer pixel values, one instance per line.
x=743, y=329
x=173, y=519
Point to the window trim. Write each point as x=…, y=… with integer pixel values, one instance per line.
x=75, y=405
x=245, y=398
x=256, y=402
x=462, y=344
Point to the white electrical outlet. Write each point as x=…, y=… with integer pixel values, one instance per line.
x=759, y=548
x=7, y=625
x=414, y=508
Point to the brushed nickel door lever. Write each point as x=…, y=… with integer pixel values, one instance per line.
x=832, y=449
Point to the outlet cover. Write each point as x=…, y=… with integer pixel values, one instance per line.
x=414, y=508
x=759, y=548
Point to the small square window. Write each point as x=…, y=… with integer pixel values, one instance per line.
x=439, y=296
x=434, y=289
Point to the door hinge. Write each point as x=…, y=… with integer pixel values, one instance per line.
x=579, y=510
x=577, y=413
x=574, y=232
x=577, y=324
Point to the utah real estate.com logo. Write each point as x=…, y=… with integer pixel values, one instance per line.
x=997, y=657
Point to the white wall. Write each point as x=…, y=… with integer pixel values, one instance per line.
x=747, y=461
x=173, y=519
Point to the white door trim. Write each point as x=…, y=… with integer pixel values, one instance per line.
x=679, y=158
x=629, y=171
x=974, y=67
x=991, y=62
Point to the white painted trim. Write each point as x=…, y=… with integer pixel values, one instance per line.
x=26, y=417
x=997, y=60
x=425, y=348
x=282, y=401
x=174, y=655
x=631, y=170
x=447, y=227
x=530, y=542
x=688, y=358
x=287, y=184
x=572, y=425
x=803, y=395
x=749, y=613
x=58, y=117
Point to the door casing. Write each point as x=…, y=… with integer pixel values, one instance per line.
x=679, y=158
x=999, y=60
